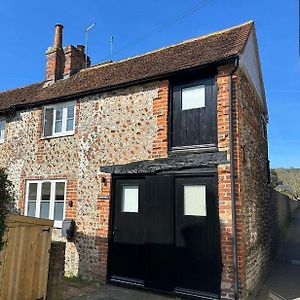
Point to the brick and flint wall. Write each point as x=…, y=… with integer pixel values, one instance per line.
x=251, y=187
x=115, y=127
x=129, y=125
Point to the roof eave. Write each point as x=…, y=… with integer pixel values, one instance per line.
x=160, y=76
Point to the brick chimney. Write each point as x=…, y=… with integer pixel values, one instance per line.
x=55, y=57
x=64, y=62
x=75, y=60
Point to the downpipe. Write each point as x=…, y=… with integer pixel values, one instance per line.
x=232, y=185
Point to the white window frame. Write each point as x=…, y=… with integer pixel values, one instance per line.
x=264, y=127
x=64, y=131
x=203, y=89
x=2, y=138
x=57, y=224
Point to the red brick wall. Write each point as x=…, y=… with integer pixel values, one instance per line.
x=160, y=111
x=250, y=162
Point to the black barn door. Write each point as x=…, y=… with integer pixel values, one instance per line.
x=159, y=233
x=127, y=263
x=165, y=234
x=197, y=236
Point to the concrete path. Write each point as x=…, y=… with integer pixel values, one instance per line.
x=111, y=292
x=283, y=281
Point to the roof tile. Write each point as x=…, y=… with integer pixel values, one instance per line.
x=192, y=53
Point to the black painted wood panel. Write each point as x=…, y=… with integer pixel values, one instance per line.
x=194, y=127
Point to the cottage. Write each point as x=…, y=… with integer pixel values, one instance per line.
x=160, y=159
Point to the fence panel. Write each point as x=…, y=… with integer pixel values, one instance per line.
x=24, y=261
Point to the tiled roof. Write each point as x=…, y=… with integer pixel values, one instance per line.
x=188, y=54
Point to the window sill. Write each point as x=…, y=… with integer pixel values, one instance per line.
x=193, y=149
x=1, y=141
x=57, y=225
x=56, y=136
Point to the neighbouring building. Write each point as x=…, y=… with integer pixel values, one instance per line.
x=144, y=155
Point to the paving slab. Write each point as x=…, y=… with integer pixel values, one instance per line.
x=111, y=292
x=283, y=281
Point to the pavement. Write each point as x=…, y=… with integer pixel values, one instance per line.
x=111, y=292
x=283, y=281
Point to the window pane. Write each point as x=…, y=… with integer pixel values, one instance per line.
x=32, y=191
x=44, y=212
x=58, y=211
x=58, y=126
x=48, y=122
x=130, y=199
x=2, y=127
x=70, y=123
x=31, y=209
x=70, y=114
x=195, y=200
x=59, y=114
x=60, y=191
x=46, y=187
x=193, y=97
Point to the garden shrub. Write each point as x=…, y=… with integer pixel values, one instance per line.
x=7, y=203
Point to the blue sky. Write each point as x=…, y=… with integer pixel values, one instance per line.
x=27, y=30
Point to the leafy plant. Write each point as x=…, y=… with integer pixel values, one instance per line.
x=290, y=176
x=6, y=203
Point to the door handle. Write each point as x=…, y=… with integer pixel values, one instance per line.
x=115, y=230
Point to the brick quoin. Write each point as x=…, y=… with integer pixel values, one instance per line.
x=224, y=184
x=246, y=121
x=160, y=111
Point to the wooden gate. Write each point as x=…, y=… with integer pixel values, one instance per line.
x=24, y=261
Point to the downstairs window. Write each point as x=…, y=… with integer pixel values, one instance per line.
x=46, y=199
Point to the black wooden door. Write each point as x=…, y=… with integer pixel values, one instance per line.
x=164, y=237
x=194, y=127
x=159, y=234
x=197, y=239
x=127, y=263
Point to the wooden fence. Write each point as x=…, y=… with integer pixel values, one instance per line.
x=24, y=261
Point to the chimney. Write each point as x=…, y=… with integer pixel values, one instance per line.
x=63, y=62
x=55, y=57
x=75, y=60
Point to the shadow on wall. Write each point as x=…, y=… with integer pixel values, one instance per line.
x=92, y=256
x=283, y=208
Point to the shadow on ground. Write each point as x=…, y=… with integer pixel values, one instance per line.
x=110, y=292
x=283, y=281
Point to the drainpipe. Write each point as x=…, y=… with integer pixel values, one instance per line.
x=232, y=180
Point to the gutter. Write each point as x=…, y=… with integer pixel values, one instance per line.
x=232, y=185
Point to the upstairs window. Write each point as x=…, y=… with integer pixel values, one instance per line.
x=193, y=97
x=59, y=120
x=194, y=115
x=46, y=199
x=2, y=130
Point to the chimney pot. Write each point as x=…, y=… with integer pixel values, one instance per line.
x=80, y=48
x=58, y=35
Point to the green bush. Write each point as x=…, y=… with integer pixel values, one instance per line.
x=6, y=203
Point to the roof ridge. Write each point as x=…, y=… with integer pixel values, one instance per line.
x=212, y=47
x=221, y=31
